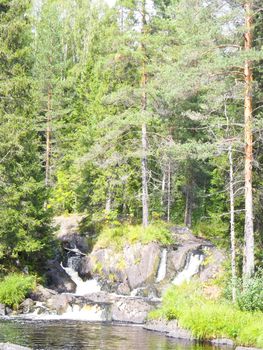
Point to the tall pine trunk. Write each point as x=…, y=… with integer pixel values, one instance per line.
x=145, y=196
x=48, y=137
x=232, y=223
x=169, y=191
x=248, y=267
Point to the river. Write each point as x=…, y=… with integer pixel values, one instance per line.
x=51, y=335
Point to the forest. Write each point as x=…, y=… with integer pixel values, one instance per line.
x=136, y=114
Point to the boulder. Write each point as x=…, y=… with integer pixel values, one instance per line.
x=131, y=310
x=26, y=306
x=59, y=303
x=123, y=288
x=42, y=294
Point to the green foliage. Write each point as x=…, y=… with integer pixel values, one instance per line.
x=122, y=234
x=209, y=319
x=24, y=230
x=15, y=287
x=250, y=293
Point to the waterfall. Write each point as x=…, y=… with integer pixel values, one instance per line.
x=192, y=267
x=162, y=267
x=83, y=287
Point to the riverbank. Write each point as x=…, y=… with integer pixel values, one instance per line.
x=172, y=330
x=188, y=313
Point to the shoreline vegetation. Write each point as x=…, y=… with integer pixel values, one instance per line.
x=209, y=319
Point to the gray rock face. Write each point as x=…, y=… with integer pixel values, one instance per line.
x=136, y=266
x=9, y=346
x=131, y=268
x=142, y=263
x=57, y=279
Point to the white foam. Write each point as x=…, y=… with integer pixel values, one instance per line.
x=191, y=269
x=162, y=267
x=83, y=287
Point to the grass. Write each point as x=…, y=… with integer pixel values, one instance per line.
x=15, y=287
x=208, y=319
x=120, y=235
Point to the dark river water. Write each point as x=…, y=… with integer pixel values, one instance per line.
x=82, y=335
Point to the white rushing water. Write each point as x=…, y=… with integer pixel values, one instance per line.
x=191, y=269
x=83, y=287
x=162, y=267
x=87, y=312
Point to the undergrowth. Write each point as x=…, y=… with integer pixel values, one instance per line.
x=15, y=287
x=121, y=234
x=208, y=319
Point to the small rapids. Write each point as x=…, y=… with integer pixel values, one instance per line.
x=83, y=287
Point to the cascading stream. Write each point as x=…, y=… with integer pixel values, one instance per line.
x=192, y=267
x=162, y=267
x=83, y=287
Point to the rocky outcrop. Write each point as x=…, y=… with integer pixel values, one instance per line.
x=170, y=328
x=68, y=231
x=135, y=267
x=9, y=346
x=100, y=306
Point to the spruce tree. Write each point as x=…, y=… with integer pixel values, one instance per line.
x=24, y=232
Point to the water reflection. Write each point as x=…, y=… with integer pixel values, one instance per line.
x=71, y=335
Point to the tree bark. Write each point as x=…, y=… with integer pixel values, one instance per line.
x=188, y=206
x=163, y=188
x=169, y=192
x=48, y=137
x=248, y=267
x=232, y=223
x=145, y=196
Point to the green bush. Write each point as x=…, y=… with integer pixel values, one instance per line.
x=250, y=293
x=209, y=319
x=15, y=287
x=121, y=234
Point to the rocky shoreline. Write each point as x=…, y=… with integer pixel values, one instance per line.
x=173, y=330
